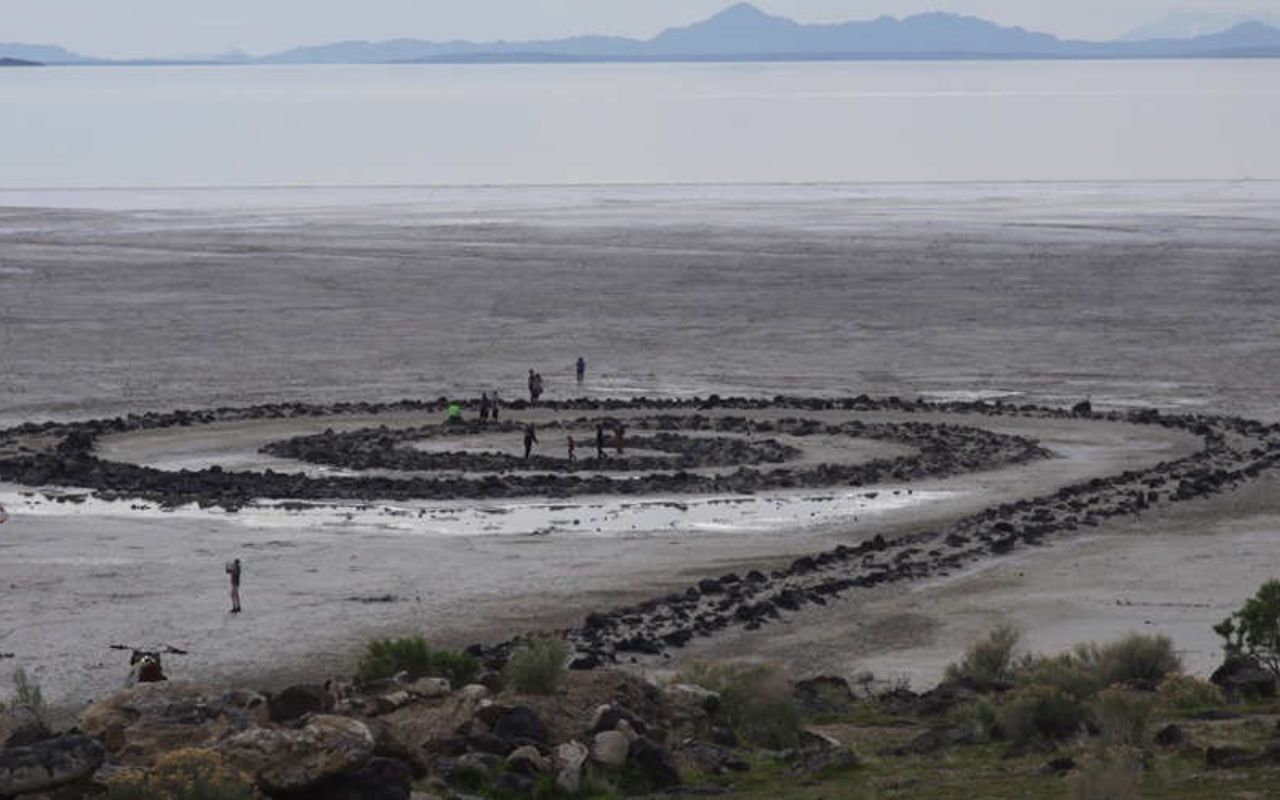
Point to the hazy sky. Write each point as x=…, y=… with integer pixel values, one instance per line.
x=123, y=28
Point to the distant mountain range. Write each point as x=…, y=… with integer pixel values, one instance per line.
x=17, y=62
x=745, y=33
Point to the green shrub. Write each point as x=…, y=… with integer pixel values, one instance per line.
x=755, y=700
x=1089, y=668
x=1123, y=716
x=1254, y=630
x=184, y=775
x=987, y=663
x=1188, y=693
x=1040, y=715
x=27, y=694
x=1107, y=778
x=1138, y=659
x=1070, y=673
x=538, y=666
x=384, y=658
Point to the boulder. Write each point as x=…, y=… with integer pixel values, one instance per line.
x=1171, y=736
x=528, y=760
x=688, y=696
x=656, y=765
x=610, y=748
x=520, y=726
x=570, y=758
x=49, y=764
x=151, y=719
x=709, y=759
x=21, y=727
x=296, y=702
x=825, y=694
x=379, y=779
x=1244, y=677
x=430, y=688
x=294, y=760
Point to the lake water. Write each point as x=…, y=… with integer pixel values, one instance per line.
x=621, y=123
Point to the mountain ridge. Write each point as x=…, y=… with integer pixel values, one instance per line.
x=744, y=32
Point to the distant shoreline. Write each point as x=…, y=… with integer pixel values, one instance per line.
x=509, y=59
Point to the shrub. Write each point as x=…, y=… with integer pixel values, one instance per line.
x=1123, y=716
x=755, y=700
x=538, y=666
x=184, y=775
x=1040, y=715
x=27, y=694
x=1137, y=659
x=1070, y=673
x=1254, y=630
x=1089, y=668
x=1106, y=778
x=989, y=662
x=1186, y=693
x=384, y=658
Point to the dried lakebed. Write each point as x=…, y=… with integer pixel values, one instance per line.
x=1232, y=452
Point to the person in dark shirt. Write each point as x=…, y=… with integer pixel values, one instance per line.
x=233, y=570
x=582, y=369
x=484, y=406
x=600, y=441
x=530, y=439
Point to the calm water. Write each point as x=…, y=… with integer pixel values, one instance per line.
x=572, y=124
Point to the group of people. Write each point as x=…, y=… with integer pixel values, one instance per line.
x=490, y=406
x=619, y=441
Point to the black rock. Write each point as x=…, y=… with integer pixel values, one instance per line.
x=1171, y=736
x=1243, y=677
x=656, y=765
x=379, y=779
x=296, y=702
x=521, y=726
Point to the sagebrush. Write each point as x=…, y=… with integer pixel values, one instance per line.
x=538, y=666
x=384, y=658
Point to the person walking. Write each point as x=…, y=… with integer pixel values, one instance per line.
x=530, y=439
x=573, y=449
x=600, y=441
x=582, y=369
x=233, y=571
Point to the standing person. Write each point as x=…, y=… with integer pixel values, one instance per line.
x=619, y=434
x=600, y=441
x=533, y=386
x=573, y=448
x=454, y=414
x=530, y=439
x=484, y=406
x=494, y=404
x=537, y=385
x=582, y=369
x=233, y=570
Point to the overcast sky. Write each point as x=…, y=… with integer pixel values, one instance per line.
x=131, y=28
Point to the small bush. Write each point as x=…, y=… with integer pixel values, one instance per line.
x=987, y=663
x=1139, y=660
x=1107, y=778
x=1187, y=693
x=1040, y=715
x=755, y=700
x=1123, y=716
x=184, y=775
x=384, y=658
x=1070, y=673
x=539, y=666
x=27, y=694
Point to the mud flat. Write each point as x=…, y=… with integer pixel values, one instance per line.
x=323, y=575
